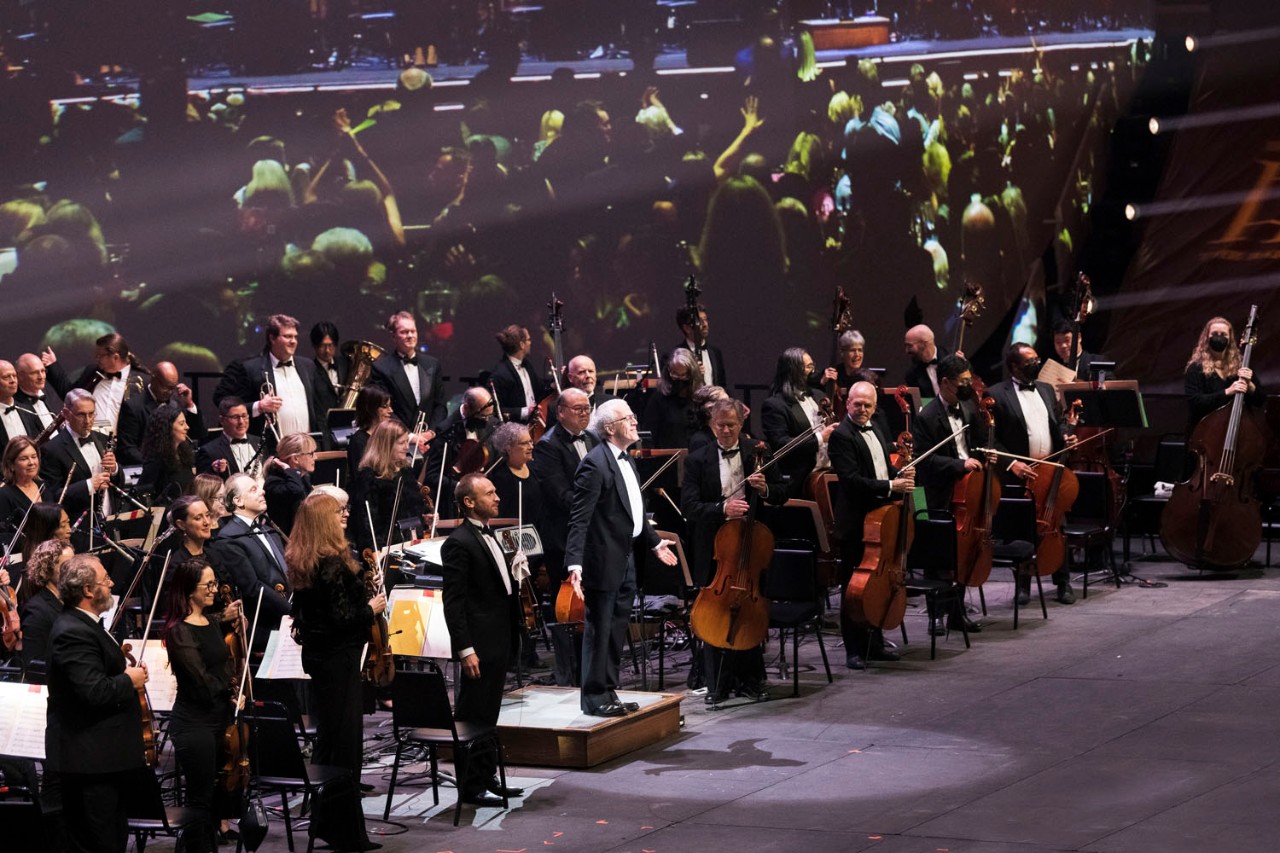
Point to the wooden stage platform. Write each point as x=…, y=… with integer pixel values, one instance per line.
x=544, y=727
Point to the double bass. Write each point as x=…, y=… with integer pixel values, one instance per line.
x=973, y=504
x=540, y=417
x=876, y=595
x=1213, y=520
x=841, y=321
x=731, y=612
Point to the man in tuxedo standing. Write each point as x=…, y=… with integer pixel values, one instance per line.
x=481, y=608
x=515, y=381
x=923, y=352
x=332, y=367
x=860, y=458
x=695, y=328
x=291, y=398
x=411, y=378
x=250, y=553
x=606, y=524
x=32, y=387
x=77, y=452
x=93, y=737
x=555, y=463
x=15, y=418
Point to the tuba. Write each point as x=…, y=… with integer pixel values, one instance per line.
x=362, y=355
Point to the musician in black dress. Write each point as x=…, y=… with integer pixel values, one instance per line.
x=1214, y=373
x=20, y=469
x=289, y=477
x=47, y=521
x=202, y=665
x=847, y=370
x=332, y=615
x=515, y=479
x=168, y=456
x=373, y=406
x=385, y=483
x=39, y=605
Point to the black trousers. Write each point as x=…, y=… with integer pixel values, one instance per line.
x=479, y=701
x=724, y=670
x=336, y=703
x=199, y=747
x=607, y=615
x=95, y=810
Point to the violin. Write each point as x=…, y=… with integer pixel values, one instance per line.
x=234, y=774
x=1213, y=520
x=876, y=595
x=973, y=504
x=9, y=618
x=379, y=665
x=731, y=612
x=148, y=718
x=472, y=456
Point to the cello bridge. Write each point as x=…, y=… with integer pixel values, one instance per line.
x=1223, y=478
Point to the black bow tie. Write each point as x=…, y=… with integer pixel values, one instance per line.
x=409, y=359
x=115, y=375
x=732, y=451
x=581, y=437
x=86, y=441
x=286, y=363
x=933, y=360
x=8, y=410
x=954, y=411
x=1026, y=386
x=239, y=441
x=866, y=428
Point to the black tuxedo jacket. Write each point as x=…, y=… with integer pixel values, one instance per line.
x=450, y=433
x=59, y=380
x=61, y=456
x=939, y=473
x=94, y=720
x=27, y=401
x=131, y=428
x=244, y=379
x=240, y=556
x=1011, y=426
x=917, y=376
x=388, y=374
x=479, y=611
x=220, y=448
x=326, y=395
x=860, y=491
x=703, y=505
x=38, y=614
x=510, y=390
x=717, y=362
x=31, y=423
x=600, y=521
x=555, y=463
x=781, y=421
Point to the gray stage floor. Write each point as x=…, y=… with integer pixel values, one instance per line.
x=1141, y=719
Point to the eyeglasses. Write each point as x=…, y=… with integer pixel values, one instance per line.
x=236, y=417
x=210, y=585
x=108, y=583
x=632, y=418
x=579, y=410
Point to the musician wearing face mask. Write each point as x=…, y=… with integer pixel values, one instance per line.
x=669, y=414
x=474, y=421
x=1029, y=424
x=953, y=408
x=1214, y=375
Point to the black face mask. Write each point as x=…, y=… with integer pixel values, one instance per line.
x=1031, y=370
x=1218, y=343
x=964, y=393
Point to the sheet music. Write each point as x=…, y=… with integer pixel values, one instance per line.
x=162, y=684
x=283, y=657
x=23, y=719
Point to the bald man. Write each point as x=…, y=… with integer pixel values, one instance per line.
x=137, y=409
x=923, y=372
x=15, y=420
x=32, y=379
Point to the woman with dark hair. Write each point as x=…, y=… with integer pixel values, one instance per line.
x=332, y=615
x=1214, y=374
x=288, y=478
x=46, y=521
x=792, y=409
x=20, y=470
x=384, y=475
x=193, y=519
x=373, y=406
x=39, y=605
x=669, y=414
x=168, y=457
x=205, y=674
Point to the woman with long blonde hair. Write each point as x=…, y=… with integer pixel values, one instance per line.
x=383, y=474
x=1214, y=373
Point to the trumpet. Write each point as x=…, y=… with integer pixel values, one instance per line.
x=272, y=422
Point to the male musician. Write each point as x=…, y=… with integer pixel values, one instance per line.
x=32, y=378
x=555, y=463
x=581, y=372
x=860, y=458
x=716, y=478
x=15, y=418
x=481, y=608
x=1062, y=337
x=517, y=383
x=233, y=449
x=78, y=452
x=1028, y=424
x=605, y=523
x=791, y=410
x=250, y=553
x=131, y=428
x=332, y=366
x=281, y=383
x=114, y=376
x=695, y=329
x=952, y=409
x=93, y=738
x=923, y=372
x=412, y=379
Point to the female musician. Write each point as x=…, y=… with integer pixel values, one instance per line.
x=40, y=605
x=1214, y=373
x=204, y=670
x=332, y=615
x=212, y=489
x=373, y=406
x=384, y=472
x=289, y=477
x=846, y=371
x=46, y=521
x=669, y=414
x=194, y=521
x=791, y=409
x=168, y=457
x=20, y=469
x=513, y=477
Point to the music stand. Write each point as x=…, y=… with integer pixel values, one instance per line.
x=1117, y=403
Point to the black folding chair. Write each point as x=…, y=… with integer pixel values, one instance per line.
x=796, y=601
x=1088, y=525
x=149, y=817
x=1014, y=532
x=931, y=567
x=421, y=716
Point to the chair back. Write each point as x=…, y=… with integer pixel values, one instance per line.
x=420, y=697
x=933, y=550
x=793, y=572
x=21, y=818
x=1015, y=520
x=1171, y=459
x=273, y=741
x=144, y=801
x=1093, y=502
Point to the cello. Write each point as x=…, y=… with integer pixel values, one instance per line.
x=1213, y=520
x=876, y=595
x=731, y=612
x=1053, y=498
x=148, y=718
x=973, y=504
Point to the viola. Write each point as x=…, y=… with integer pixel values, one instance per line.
x=9, y=619
x=1213, y=520
x=973, y=504
x=731, y=612
x=472, y=456
x=148, y=718
x=876, y=595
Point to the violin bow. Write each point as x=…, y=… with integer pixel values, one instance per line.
x=656, y=474
x=444, y=456
x=253, y=633
x=8, y=550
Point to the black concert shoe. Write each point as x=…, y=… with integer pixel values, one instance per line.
x=613, y=709
x=1065, y=594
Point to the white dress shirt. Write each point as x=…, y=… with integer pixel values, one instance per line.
x=814, y=414
x=872, y=441
x=13, y=425
x=1036, y=416
x=501, y=560
x=731, y=472
x=108, y=394
x=294, y=415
